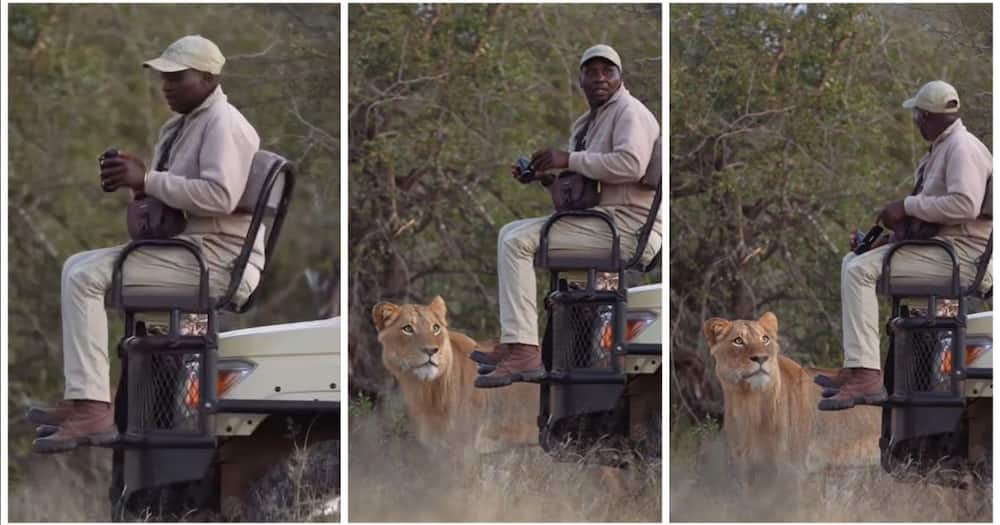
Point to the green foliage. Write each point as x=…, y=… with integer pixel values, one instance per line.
x=443, y=99
x=786, y=130
x=76, y=87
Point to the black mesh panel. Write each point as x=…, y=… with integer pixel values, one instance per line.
x=578, y=330
x=163, y=391
x=922, y=360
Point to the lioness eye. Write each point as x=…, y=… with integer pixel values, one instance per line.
x=437, y=329
x=408, y=330
x=738, y=341
x=766, y=339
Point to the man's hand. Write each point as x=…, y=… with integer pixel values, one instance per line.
x=892, y=214
x=123, y=171
x=550, y=159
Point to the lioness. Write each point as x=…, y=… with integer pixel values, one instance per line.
x=771, y=422
x=435, y=376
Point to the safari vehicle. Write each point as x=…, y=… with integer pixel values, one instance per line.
x=602, y=349
x=203, y=414
x=938, y=421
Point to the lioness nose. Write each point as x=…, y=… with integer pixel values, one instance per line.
x=429, y=350
x=759, y=359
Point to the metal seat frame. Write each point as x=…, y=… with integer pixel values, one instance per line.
x=933, y=411
x=136, y=340
x=605, y=385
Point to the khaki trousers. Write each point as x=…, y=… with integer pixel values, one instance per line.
x=516, y=246
x=86, y=279
x=859, y=302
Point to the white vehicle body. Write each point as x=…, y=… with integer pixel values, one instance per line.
x=979, y=333
x=286, y=362
x=645, y=305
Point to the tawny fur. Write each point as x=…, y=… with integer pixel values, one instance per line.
x=772, y=424
x=446, y=409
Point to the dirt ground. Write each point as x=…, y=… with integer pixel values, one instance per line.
x=392, y=478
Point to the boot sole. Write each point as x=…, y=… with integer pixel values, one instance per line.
x=842, y=404
x=52, y=446
x=46, y=430
x=496, y=382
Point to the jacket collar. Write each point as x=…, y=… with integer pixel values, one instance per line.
x=949, y=131
x=216, y=97
x=618, y=95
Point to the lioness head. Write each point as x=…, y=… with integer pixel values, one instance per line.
x=745, y=352
x=414, y=338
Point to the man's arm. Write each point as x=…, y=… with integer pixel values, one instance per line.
x=225, y=166
x=633, y=138
x=967, y=170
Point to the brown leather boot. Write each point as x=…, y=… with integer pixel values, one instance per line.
x=53, y=416
x=834, y=381
x=493, y=358
x=863, y=387
x=831, y=384
x=522, y=363
x=89, y=423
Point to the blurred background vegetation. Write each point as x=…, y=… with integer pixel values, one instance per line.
x=76, y=87
x=442, y=100
x=786, y=131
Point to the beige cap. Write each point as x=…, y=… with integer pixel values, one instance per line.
x=190, y=52
x=936, y=96
x=602, y=51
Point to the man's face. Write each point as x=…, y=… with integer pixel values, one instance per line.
x=920, y=121
x=599, y=79
x=186, y=90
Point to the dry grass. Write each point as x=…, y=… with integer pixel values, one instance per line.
x=302, y=489
x=73, y=487
x=61, y=487
x=393, y=478
x=701, y=490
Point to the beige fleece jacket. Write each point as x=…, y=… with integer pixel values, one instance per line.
x=955, y=173
x=207, y=171
x=618, y=146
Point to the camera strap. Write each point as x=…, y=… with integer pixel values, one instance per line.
x=580, y=141
x=919, y=187
x=164, y=160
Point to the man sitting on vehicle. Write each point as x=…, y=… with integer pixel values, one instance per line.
x=950, y=189
x=618, y=134
x=201, y=164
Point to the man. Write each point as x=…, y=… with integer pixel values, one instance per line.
x=951, y=184
x=201, y=164
x=618, y=135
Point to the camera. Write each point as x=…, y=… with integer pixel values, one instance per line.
x=525, y=172
x=109, y=153
x=865, y=243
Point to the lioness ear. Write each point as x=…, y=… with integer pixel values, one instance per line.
x=383, y=313
x=438, y=307
x=770, y=322
x=714, y=328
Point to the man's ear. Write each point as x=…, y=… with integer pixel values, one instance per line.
x=770, y=323
x=439, y=308
x=715, y=328
x=384, y=313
